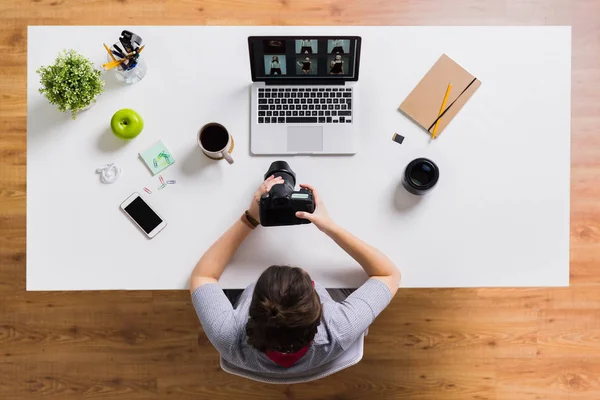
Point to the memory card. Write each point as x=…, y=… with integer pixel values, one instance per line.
x=398, y=138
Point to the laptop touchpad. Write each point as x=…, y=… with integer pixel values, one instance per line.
x=304, y=138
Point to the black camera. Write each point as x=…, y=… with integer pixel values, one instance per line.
x=279, y=206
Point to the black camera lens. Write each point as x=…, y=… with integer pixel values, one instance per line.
x=282, y=169
x=420, y=176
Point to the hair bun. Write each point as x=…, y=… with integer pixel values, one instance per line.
x=274, y=310
x=285, y=310
x=271, y=309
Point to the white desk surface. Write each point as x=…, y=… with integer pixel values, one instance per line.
x=499, y=215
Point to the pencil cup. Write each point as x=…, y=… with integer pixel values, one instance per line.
x=132, y=75
x=420, y=176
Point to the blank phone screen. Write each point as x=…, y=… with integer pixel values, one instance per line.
x=143, y=215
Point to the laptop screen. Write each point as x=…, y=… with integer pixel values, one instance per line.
x=304, y=58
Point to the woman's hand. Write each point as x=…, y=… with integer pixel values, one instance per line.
x=264, y=188
x=320, y=217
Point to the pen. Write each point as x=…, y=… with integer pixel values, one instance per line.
x=135, y=52
x=119, y=51
x=126, y=44
x=448, y=89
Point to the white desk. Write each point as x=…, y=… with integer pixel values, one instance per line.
x=499, y=215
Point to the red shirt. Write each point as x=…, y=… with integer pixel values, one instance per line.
x=286, y=360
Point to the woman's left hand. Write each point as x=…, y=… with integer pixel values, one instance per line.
x=264, y=188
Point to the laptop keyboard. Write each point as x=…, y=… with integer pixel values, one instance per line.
x=316, y=105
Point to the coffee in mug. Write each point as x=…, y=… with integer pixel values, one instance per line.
x=216, y=142
x=420, y=176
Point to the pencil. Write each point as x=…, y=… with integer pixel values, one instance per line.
x=448, y=89
x=113, y=64
x=109, y=52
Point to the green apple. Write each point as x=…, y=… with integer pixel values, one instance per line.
x=126, y=124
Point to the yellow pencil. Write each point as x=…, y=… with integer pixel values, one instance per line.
x=109, y=52
x=113, y=64
x=442, y=109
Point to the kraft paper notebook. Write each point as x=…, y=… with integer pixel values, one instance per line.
x=423, y=104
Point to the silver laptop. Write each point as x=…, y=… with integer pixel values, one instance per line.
x=304, y=94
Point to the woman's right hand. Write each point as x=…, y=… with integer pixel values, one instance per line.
x=320, y=217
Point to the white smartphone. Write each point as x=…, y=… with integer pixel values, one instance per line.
x=143, y=215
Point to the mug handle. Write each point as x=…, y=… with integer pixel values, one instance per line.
x=227, y=156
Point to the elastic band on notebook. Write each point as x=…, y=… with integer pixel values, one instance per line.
x=447, y=108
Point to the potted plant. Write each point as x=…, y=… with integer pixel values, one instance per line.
x=72, y=83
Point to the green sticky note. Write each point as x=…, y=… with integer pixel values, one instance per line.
x=157, y=157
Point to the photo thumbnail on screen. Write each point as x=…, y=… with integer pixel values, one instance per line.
x=273, y=46
x=338, y=46
x=275, y=65
x=307, y=46
x=306, y=66
x=338, y=64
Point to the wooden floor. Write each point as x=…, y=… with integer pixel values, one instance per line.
x=429, y=344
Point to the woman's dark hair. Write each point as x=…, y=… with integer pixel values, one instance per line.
x=285, y=310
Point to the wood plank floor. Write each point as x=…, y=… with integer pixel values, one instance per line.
x=429, y=344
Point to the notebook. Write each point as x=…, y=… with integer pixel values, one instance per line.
x=423, y=104
x=157, y=157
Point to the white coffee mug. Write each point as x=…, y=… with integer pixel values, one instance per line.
x=216, y=142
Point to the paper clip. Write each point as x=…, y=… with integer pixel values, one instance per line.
x=165, y=156
x=161, y=179
x=155, y=163
x=162, y=186
x=147, y=190
x=172, y=182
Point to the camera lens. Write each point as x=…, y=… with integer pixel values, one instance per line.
x=420, y=176
x=282, y=169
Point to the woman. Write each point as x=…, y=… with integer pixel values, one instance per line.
x=306, y=47
x=275, y=66
x=285, y=324
x=338, y=47
x=337, y=66
x=305, y=65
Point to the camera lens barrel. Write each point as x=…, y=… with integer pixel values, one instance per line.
x=282, y=168
x=420, y=176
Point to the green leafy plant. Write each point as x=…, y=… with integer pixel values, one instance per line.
x=72, y=83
